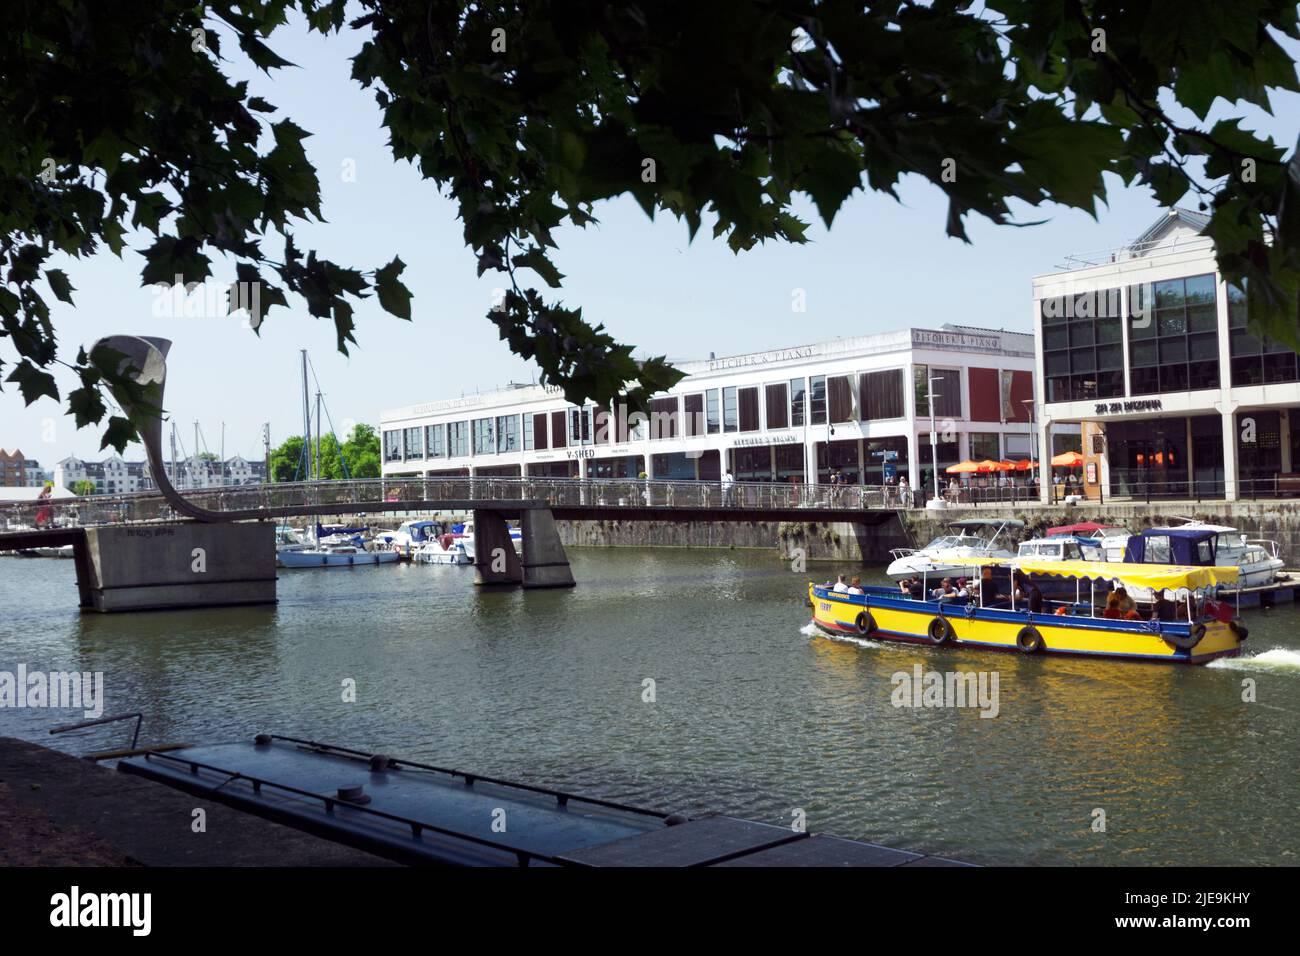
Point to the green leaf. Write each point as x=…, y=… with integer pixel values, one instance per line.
x=394, y=297
x=33, y=382
x=59, y=284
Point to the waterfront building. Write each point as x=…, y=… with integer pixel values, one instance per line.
x=19, y=471
x=116, y=476
x=1145, y=350
x=856, y=406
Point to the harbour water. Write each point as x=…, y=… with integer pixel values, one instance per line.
x=690, y=681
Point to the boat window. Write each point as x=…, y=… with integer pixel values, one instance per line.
x=1072, y=552
x=1158, y=550
x=1028, y=550
x=1050, y=550
x=1205, y=552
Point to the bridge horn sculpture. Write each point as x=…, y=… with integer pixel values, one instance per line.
x=220, y=559
x=144, y=360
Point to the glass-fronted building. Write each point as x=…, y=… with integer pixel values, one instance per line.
x=1146, y=350
x=859, y=407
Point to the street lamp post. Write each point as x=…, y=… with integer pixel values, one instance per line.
x=1033, y=438
x=936, y=501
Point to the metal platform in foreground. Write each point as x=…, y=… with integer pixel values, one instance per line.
x=420, y=814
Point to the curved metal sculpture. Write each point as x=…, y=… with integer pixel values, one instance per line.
x=145, y=362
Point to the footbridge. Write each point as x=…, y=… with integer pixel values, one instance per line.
x=217, y=546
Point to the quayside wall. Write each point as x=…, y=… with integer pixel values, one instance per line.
x=851, y=542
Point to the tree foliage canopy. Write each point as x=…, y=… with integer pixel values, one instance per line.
x=357, y=457
x=119, y=115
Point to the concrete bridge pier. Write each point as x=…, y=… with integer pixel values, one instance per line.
x=495, y=560
x=544, y=564
x=168, y=567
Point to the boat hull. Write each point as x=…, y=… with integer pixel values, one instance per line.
x=906, y=620
x=317, y=559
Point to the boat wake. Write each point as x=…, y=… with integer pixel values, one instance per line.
x=812, y=630
x=1279, y=659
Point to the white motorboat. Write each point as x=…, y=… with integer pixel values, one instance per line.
x=334, y=556
x=1062, y=548
x=1199, y=544
x=410, y=536
x=445, y=549
x=63, y=551
x=290, y=539
x=972, y=538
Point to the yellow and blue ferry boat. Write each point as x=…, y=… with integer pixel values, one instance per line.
x=1066, y=617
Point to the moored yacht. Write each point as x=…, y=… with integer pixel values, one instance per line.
x=972, y=538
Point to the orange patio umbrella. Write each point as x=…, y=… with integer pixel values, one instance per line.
x=963, y=468
x=1026, y=465
x=988, y=465
x=1069, y=459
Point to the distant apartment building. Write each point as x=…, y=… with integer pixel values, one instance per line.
x=19, y=471
x=116, y=476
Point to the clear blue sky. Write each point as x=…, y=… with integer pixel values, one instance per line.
x=886, y=265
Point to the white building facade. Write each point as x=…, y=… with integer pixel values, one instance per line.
x=1145, y=349
x=857, y=407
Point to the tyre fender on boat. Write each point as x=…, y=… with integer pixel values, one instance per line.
x=866, y=624
x=1185, y=642
x=1239, y=628
x=940, y=631
x=1029, y=640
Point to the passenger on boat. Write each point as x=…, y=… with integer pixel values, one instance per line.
x=841, y=587
x=855, y=586
x=944, y=592
x=1219, y=610
x=962, y=591
x=905, y=586
x=917, y=588
x=1035, y=600
x=1113, y=611
x=1063, y=611
x=1125, y=602
x=1132, y=615
x=1163, y=609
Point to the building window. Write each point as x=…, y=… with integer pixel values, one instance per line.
x=414, y=442
x=1083, y=350
x=484, y=437
x=507, y=434
x=797, y=402
x=539, y=430
x=580, y=425
x=882, y=394
x=714, y=415
x=748, y=401
x=528, y=433
x=840, y=388
x=436, y=440
x=693, y=416
x=393, y=445
x=663, y=418
x=1173, y=336
x=558, y=429
x=817, y=386
x=947, y=391
x=984, y=445
x=778, y=406
x=1255, y=362
x=458, y=439
x=730, y=410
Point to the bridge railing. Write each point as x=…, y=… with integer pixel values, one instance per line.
x=368, y=493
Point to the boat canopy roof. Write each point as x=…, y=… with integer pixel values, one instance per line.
x=1083, y=527
x=1155, y=576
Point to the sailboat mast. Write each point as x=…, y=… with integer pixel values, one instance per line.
x=306, y=422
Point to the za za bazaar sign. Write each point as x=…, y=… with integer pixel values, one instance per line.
x=1119, y=408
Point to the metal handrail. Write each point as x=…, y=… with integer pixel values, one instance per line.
x=561, y=797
